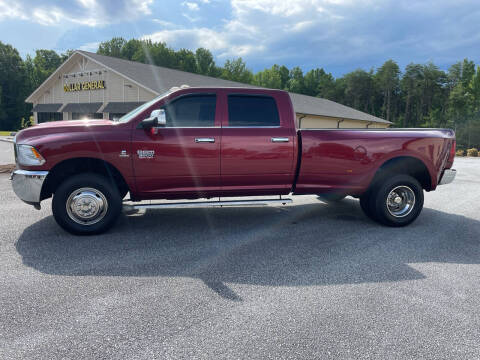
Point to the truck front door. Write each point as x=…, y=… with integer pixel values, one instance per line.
x=182, y=159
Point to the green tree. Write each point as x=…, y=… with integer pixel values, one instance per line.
x=112, y=47
x=3, y=113
x=284, y=75
x=45, y=62
x=13, y=90
x=32, y=80
x=388, y=78
x=433, y=93
x=411, y=88
x=162, y=55
x=468, y=71
x=204, y=62
x=236, y=70
x=296, y=83
x=269, y=78
x=359, y=90
x=311, y=81
x=474, y=88
x=185, y=60
x=131, y=48
x=327, y=87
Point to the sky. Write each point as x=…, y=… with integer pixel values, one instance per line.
x=338, y=35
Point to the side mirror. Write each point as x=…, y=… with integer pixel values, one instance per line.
x=157, y=118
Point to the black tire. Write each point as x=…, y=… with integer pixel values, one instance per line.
x=331, y=197
x=403, y=187
x=106, y=193
x=365, y=204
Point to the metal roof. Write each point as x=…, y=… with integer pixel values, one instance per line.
x=317, y=106
x=88, y=108
x=47, y=107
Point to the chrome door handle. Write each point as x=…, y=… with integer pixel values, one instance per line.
x=280, y=139
x=204, y=140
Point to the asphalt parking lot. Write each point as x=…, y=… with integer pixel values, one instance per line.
x=309, y=280
x=6, y=153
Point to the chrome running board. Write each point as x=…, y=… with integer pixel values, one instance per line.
x=195, y=204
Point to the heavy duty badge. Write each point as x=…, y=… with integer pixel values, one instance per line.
x=145, y=154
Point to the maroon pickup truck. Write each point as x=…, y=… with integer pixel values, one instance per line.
x=194, y=143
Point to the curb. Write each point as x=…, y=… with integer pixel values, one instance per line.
x=7, y=140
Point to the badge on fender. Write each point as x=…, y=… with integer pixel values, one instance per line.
x=146, y=154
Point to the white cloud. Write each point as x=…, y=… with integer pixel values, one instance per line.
x=191, y=6
x=11, y=10
x=302, y=25
x=191, y=18
x=166, y=24
x=253, y=27
x=332, y=33
x=84, y=12
x=142, y=6
x=308, y=33
x=198, y=37
x=220, y=43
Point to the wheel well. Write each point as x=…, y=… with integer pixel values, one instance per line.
x=405, y=165
x=70, y=167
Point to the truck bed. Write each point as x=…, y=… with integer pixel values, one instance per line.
x=345, y=160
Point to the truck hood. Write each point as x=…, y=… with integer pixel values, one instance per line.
x=71, y=123
x=58, y=127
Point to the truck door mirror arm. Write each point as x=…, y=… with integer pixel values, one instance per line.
x=157, y=119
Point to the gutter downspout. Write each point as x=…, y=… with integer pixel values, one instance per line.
x=370, y=123
x=338, y=123
x=300, y=121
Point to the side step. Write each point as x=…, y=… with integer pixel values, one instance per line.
x=195, y=204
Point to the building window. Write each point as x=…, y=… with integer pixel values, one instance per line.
x=80, y=116
x=48, y=116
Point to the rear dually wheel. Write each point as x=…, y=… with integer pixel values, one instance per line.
x=396, y=201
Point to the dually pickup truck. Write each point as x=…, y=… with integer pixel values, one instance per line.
x=204, y=143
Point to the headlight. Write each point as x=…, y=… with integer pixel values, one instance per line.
x=29, y=156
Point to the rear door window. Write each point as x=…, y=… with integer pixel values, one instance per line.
x=252, y=111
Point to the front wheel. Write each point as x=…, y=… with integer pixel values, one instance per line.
x=397, y=201
x=86, y=204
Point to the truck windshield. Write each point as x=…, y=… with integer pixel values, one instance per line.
x=127, y=117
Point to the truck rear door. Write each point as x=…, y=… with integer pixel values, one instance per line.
x=258, y=145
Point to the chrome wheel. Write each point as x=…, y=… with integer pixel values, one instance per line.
x=86, y=206
x=400, y=201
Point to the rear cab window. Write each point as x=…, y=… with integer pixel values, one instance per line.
x=252, y=111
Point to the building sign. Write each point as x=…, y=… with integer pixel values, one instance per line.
x=86, y=85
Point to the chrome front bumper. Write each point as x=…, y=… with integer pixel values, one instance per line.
x=448, y=176
x=27, y=185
